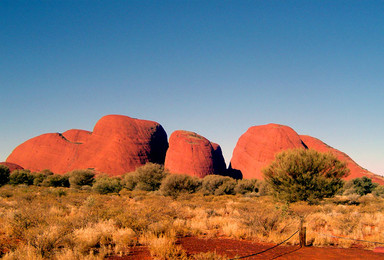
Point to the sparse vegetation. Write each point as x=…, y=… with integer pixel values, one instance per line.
x=146, y=178
x=174, y=185
x=21, y=177
x=305, y=175
x=79, y=178
x=50, y=222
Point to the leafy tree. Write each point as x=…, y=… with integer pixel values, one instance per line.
x=218, y=185
x=305, y=175
x=79, y=178
x=4, y=174
x=363, y=186
x=21, y=177
x=176, y=184
x=56, y=180
x=105, y=185
x=147, y=177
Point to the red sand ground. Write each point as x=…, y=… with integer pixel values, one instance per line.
x=236, y=248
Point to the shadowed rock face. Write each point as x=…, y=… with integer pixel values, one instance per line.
x=355, y=170
x=192, y=154
x=12, y=167
x=257, y=147
x=118, y=144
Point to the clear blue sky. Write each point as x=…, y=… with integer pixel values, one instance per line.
x=213, y=67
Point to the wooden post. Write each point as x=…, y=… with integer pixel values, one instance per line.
x=302, y=234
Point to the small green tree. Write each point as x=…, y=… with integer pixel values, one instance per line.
x=56, y=180
x=21, y=177
x=363, y=186
x=4, y=174
x=175, y=184
x=79, y=178
x=305, y=175
x=147, y=177
x=105, y=185
x=218, y=185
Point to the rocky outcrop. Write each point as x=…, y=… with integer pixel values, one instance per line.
x=118, y=144
x=192, y=154
x=356, y=171
x=257, y=148
x=12, y=166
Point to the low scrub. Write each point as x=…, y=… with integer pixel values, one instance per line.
x=79, y=178
x=175, y=184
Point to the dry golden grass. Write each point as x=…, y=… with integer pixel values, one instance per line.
x=47, y=223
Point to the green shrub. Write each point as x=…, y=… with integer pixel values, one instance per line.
x=363, y=185
x=218, y=185
x=4, y=174
x=379, y=191
x=79, y=178
x=21, y=177
x=305, y=175
x=56, y=180
x=246, y=186
x=146, y=178
x=129, y=181
x=105, y=185
x=39, y=177
x=174, y=184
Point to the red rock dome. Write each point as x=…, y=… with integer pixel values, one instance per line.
x=192, y=154
x=12, y=167
x=257, y=148
x=355, y=170
x=118, y=144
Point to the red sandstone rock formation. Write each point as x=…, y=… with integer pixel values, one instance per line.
x=355, y=170
x=118, y=144
x=257, y=147
x=192, y=154
x=12, y=166
x=77, y=135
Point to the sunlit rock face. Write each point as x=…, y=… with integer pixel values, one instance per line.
x=257, y=148
x=193, y=154
x=118, y=144
x=356, y=171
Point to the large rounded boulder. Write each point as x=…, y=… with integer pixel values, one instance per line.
x=356, y=171
x=12, y=166
x=257, y=148
x=192, y=154
x=118, y=144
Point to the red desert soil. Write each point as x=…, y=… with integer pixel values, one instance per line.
x=192, y=154
x=232, y=248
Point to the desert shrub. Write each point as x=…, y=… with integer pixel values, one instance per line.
x=4, y=174
x=175, y=184
x=147, y=178
x=79, y=178
x=21, y=177
x=218, y=185
x=56, y=180
x=129, y=181
x=363, y=185
x=305, y=175
x=39, y=177
x=246, y=186
x=379, y=191
x=105, y=185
